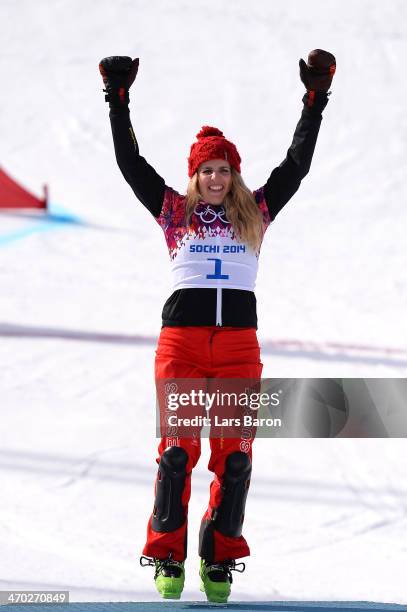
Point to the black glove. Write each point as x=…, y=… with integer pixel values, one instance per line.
x=118, y=73
x=318, y=73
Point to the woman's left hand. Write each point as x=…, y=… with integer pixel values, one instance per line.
x=318, y=72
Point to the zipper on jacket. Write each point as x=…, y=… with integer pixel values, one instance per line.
x=219, y=306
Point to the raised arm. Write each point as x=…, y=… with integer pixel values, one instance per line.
x=118, y=73
x=286, y=178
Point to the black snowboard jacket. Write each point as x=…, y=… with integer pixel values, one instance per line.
x=197, y=306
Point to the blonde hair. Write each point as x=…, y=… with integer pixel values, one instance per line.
x=240, y=207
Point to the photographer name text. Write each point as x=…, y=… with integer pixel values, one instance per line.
x=200, y=421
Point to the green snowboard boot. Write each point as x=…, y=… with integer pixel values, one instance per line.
x=169, y=576
x=216, y=579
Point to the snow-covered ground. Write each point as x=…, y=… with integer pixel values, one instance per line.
x=80, y=303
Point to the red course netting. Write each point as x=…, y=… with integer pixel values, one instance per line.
x=12, y=195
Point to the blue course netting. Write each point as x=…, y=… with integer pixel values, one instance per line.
x=56, y=218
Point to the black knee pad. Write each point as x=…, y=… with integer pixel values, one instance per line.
x=228, y=517
x=168, y=513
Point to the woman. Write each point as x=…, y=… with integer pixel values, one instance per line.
x=214, y=234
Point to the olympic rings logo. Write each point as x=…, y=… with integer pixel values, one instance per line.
x=209, y=215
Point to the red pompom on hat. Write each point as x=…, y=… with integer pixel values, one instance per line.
x=212, y=145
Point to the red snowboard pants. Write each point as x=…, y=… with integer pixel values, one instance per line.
x=204, y=352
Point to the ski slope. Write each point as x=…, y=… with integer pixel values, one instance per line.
x=81, y=300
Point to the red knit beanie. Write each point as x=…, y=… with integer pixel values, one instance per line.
x=212, y=145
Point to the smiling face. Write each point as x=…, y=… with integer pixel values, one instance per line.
x=214, y=180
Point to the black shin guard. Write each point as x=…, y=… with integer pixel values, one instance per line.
x=228, y=517
x=168, y=513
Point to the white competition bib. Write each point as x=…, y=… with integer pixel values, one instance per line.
x=214, y=262
x=206, y=253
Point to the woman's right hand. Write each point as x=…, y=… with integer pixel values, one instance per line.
x=118, y=74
